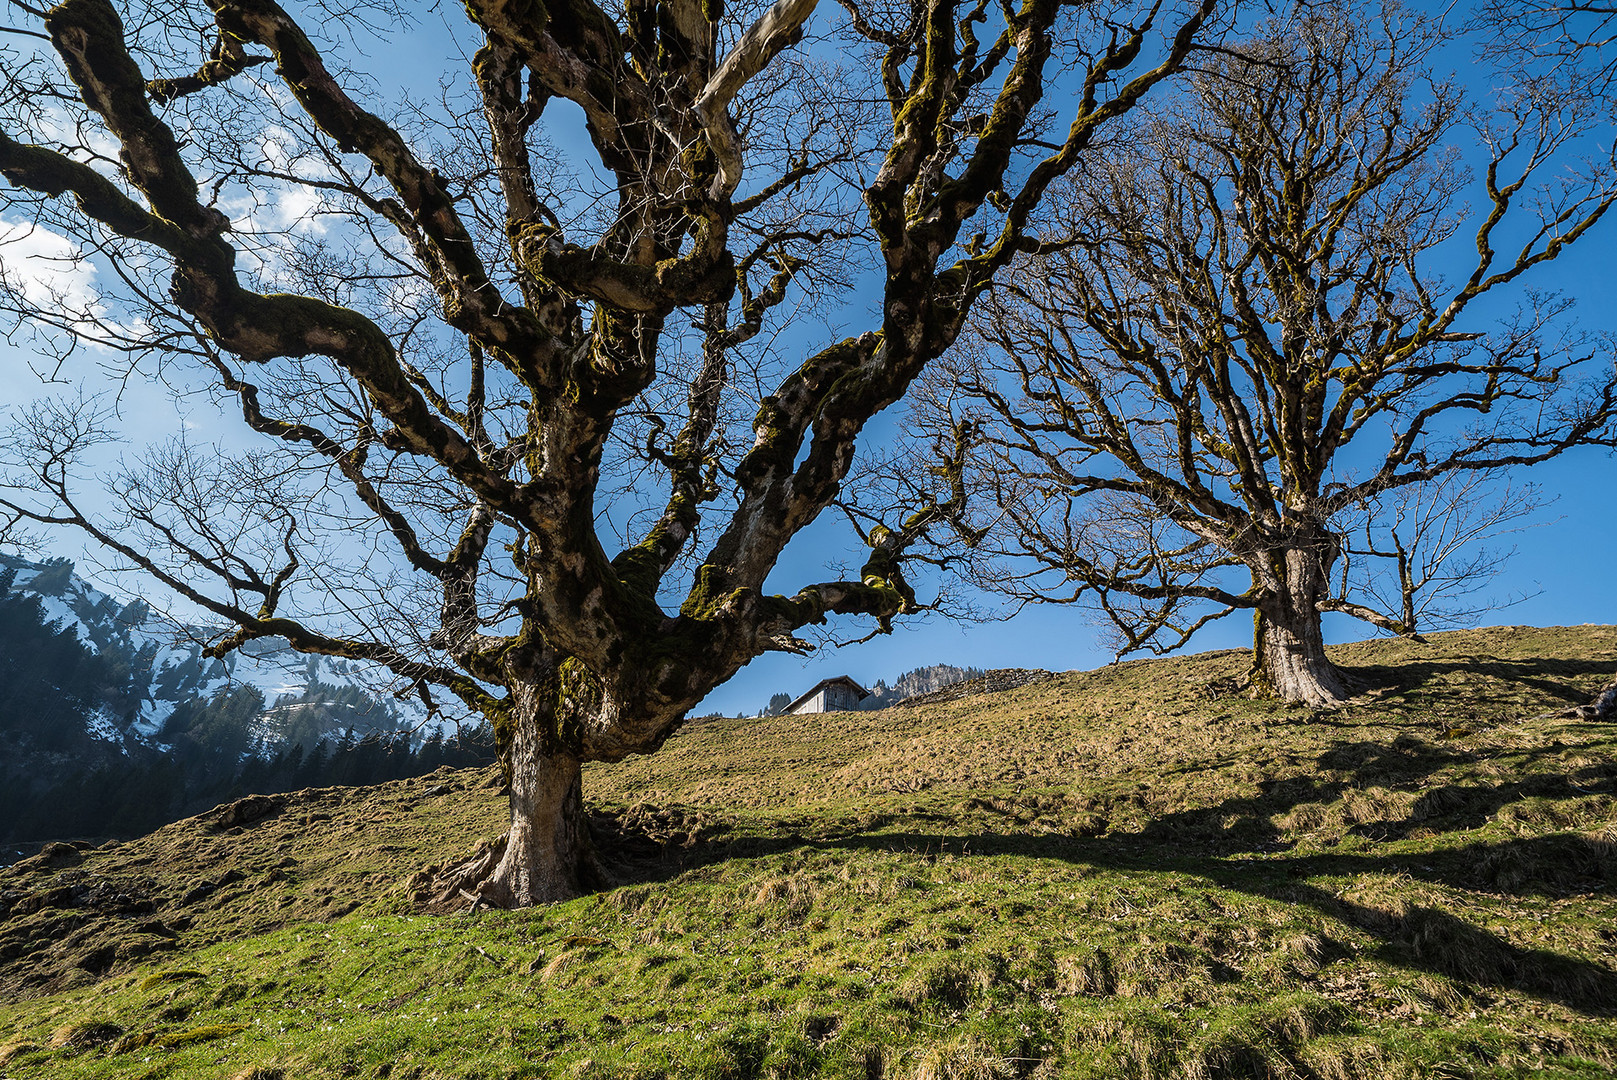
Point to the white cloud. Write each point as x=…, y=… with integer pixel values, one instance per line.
x=45, y=269
x=298, y=209
x=78, y=140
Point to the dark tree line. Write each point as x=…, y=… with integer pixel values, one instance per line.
x=49, y=681
x=129, y=796
x=921, y=680
x=57, y=779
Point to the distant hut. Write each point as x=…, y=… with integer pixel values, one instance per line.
x=829, y=695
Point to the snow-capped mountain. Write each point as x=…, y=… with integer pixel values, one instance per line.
x=113, y=723
x=159, y=665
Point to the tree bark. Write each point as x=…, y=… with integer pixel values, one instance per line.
x=546, y=854
x=547, y=850
x=1289, y=659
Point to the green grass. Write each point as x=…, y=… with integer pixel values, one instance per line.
x=1126, y=873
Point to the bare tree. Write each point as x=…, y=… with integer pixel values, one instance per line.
x=1243, y=359
x=1571, y=42
x=1424, y=551
x=534, y=440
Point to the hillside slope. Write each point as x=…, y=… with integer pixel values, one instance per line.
x=1129, y=872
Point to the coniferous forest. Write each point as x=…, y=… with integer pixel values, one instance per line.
x=71, y=767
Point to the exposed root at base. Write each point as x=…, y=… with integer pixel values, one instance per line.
x=1601, y=709
x=640, y=843
x=466, y=886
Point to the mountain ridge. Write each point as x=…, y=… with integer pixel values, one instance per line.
x=164, y=658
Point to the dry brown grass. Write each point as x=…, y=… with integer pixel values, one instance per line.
x=260, y=1072
x=963, y=1059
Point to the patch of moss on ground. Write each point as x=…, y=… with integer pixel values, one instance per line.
x=1124, y=873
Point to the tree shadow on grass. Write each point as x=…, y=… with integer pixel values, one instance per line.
x=1215, y=843
x=1367, y=771
x=1379, y=778
x=1412, y=936
x=1554, y=678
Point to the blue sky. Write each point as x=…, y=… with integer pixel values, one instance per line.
x=1566, y=562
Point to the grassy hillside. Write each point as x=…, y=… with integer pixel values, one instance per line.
x=1126, y=873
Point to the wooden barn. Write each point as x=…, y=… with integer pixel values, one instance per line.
x=829, y=695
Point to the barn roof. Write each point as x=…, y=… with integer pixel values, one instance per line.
x=821, y=685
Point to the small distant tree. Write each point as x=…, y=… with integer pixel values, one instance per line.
x=533, y=432
x=53, y=577
x=777, y=704
x=1237, y=376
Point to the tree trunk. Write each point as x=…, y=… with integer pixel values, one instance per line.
x=1602, y=708
x=546, y=854
x=1289, y=659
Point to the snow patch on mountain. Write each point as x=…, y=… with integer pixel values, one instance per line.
x=102, y=726
x=165, y=665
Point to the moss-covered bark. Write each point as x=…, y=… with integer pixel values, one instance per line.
x=1289, y=660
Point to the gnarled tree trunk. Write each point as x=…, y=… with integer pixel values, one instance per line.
x=547, y=850
x=1289, y=646
x=546, y=853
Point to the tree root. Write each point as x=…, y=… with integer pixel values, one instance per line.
x=1600, y=709
x=470, y=886
x=643, y=840
x=466, y=886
